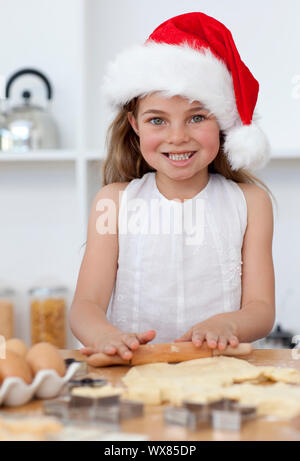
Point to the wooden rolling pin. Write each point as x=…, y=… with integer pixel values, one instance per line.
x=168, y=352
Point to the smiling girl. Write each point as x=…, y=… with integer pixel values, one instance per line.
x=184, y=133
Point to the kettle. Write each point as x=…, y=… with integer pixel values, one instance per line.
x=26, y=126
x=278, y=339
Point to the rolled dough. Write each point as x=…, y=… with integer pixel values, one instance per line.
x=208, y=379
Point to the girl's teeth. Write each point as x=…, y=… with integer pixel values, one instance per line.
x=180, y=156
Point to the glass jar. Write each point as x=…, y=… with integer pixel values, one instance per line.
x=48, y=315
x=7, y=312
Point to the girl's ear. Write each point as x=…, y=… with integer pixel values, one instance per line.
x=133, y=122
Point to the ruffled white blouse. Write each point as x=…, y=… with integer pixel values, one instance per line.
x=179, y=262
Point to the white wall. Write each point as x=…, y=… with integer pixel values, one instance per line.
x=46, y=35
x=283, y=178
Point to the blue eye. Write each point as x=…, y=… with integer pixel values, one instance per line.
x=155, y=119
x=198, y=118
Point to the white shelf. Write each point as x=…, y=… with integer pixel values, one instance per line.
x=285, y=154
x=62, y=155
x=58, y=155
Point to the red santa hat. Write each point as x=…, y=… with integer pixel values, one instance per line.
x=194, y=55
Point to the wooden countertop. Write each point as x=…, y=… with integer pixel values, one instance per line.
x=152, y=423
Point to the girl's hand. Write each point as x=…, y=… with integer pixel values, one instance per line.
x=119, y=343
x=218, y=332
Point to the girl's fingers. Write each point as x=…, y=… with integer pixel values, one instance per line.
x=110, y=349
x=87, y=351
x=124, y=352
x=233, y=341
x=212, y=340
x=197, y=339
x=131, y=341
x=222, y=343
x=146, y=336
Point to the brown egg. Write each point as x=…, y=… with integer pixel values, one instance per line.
x=17, y=345
x=14, y=365
x=45, y=356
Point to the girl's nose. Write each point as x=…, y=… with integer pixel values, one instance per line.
x=178, y=135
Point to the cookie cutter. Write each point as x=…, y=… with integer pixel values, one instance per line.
x=86, y=381
x=90, y=416
x=79, y=401
x=57, y=407
x=180, y=416
x=105, y=409
x=82, y=370
x=228, y=414
x=131, y=409
x=224, y=414
x=117, y=413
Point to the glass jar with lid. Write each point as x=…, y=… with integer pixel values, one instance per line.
x=7, y=299
x=48, y=315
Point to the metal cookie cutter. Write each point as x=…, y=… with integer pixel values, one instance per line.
x=119, y=412
x=225, y=414
x=77, y=408
x=180, y=416
x=201, y=412
x=87, y=381
x=82, y=370
x=79, y=401
x=58, y=407
x=108, y=408
x=228, y=414
x=131, y=409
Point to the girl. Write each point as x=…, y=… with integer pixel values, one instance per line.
x=182, y=142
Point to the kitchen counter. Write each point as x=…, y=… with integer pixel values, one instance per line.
x=152, y=423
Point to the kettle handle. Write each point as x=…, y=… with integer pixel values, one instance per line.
x=29, y=71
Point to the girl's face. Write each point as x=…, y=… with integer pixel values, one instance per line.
x=175, y=126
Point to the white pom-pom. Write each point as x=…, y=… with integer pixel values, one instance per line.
x=247, y=147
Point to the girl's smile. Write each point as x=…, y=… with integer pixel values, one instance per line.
x=180, y=159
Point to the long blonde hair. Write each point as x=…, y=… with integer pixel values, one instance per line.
x=125, y=162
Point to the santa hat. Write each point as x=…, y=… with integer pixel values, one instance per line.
x=194, y=55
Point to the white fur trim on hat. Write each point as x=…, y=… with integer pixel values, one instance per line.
x=173, y=70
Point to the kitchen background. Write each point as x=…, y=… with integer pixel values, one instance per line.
x=45, y=196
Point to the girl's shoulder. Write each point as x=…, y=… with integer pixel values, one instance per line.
x=117, y=186
x=111, y=191
x=106, y=196
x=253, y=191
x=256, y=196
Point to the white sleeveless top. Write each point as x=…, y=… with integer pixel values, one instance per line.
x=173, y=273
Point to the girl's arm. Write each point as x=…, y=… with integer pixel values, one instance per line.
x=256, y=316
x=97, y=274
x=96, y=281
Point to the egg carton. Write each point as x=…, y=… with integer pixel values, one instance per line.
x=47, y=384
